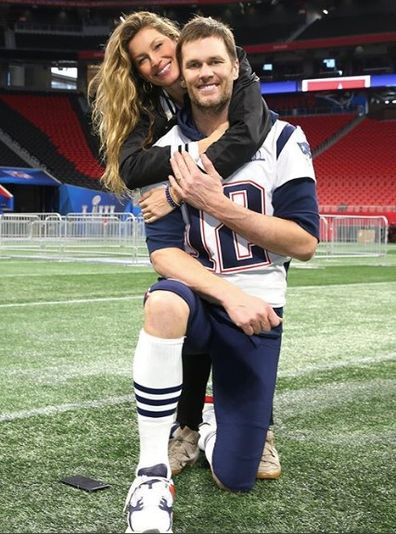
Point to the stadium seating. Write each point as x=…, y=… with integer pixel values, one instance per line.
x=356, y=171
x=320, y=128
x=59, y=42
x=285, y=104
x=49, y=129
x=8, y=158
x=359, y=170
x=55, y=117
x=247, y=32
x=356, y=24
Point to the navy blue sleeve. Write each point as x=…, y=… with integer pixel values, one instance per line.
x=167, y=232
x=296, y=200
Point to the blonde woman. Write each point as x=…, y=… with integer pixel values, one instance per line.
x=135, y=96
x=137, y=92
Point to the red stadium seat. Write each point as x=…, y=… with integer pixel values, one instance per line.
x=55, y=117
x=359, y=169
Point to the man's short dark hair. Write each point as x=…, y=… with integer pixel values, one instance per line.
x=203, y=27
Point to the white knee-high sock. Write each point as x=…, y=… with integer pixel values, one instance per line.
x=158, y=376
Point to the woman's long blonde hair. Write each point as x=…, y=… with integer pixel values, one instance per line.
x=117, y=93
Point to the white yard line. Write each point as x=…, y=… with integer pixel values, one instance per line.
x=325, y=395
x=342, y=286
x=336, y=365
x=71, y=301
x=86, y=273
x=135, y=297
x=310, y=399
x=69, y=407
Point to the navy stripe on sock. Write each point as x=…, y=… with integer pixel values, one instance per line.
x=148, y=413
x=157, y=391
x=156, y=402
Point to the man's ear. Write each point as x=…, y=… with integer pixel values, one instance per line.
x=182, y=83
x=235, y=70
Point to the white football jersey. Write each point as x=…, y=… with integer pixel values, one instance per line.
x=283, y=157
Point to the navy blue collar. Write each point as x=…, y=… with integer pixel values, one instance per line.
x=188, y=127
x=186, y=122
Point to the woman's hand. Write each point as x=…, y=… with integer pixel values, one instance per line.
x=154, y=205
x=204, y=144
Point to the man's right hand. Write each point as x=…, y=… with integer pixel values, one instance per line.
x=252, y=314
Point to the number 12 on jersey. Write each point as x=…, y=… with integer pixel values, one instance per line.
x=217, y=247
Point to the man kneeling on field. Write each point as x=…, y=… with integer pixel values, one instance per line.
x=224, y=257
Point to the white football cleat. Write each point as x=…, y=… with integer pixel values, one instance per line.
x=149, y=504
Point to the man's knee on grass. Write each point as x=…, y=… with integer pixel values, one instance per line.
x=231, y=482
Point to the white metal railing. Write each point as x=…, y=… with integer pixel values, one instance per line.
x=121, y=237
x=350, y=235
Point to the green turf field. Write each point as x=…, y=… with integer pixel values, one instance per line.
x=66, y=405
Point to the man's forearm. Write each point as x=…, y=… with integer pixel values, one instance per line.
x=277, y=235
x=204, y=191
x=175, y=263
x=252, y=314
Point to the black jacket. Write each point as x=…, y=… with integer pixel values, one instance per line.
x=249, y=125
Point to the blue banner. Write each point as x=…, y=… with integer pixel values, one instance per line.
x=383, y=80
x=74, y=199
x=22, y=176
x=272, y=88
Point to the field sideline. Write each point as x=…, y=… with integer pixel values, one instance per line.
x=66, y=403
